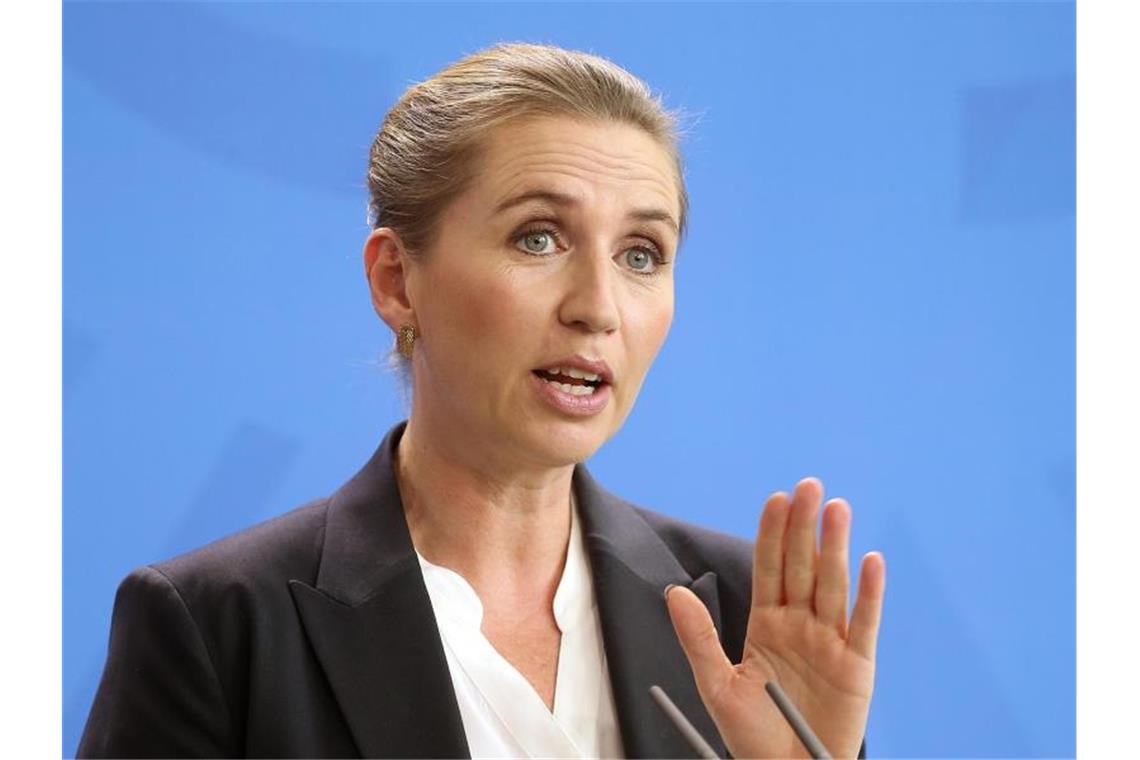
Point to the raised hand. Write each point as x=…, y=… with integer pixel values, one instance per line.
x=798, y=635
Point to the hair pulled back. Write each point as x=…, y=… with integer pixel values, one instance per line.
x=423, y=155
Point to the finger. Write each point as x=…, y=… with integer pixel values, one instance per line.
x=864, y=629
x=712, y=669
x=768, y=556
x=831, y=586
x=800, y=559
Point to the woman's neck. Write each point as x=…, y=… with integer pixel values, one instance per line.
x=505, y=531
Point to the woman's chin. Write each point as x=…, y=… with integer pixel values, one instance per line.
x=571, y=442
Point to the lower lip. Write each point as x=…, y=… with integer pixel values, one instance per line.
x=578, y=406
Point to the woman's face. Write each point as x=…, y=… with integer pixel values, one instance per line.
x=558, y=256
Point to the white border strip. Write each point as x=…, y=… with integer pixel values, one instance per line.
x=1108, y=341
x=30, y=411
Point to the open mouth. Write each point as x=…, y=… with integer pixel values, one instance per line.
x=570, y=380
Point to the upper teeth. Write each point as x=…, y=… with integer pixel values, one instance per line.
x=573, y=373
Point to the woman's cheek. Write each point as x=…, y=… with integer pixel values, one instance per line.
x=513, y=297
x=652, y=326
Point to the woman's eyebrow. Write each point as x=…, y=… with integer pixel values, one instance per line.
x=550, y=196
x=655, y=215
x=561, y=199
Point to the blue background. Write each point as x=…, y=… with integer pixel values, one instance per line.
x=878, y=289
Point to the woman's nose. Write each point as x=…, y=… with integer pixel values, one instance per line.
x=590, y=301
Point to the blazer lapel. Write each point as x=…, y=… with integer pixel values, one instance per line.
x=371, y=623
x=631, y=567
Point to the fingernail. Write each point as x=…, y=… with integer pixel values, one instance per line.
x=671, y=585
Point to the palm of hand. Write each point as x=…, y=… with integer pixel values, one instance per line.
x=798, y=636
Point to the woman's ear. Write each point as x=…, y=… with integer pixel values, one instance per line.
x=386, y=268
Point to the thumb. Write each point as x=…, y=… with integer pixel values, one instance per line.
x=712, y=669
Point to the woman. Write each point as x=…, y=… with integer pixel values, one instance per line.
x=472, y=590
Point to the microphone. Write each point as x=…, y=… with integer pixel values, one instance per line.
x=810, y=741
x=687, y=729
x=803, y=731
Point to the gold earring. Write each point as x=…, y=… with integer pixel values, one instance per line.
x=406, y=340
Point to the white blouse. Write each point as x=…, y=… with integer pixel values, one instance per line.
x=503, y=715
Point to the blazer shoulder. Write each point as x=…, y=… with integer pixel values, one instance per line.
x=259, y=559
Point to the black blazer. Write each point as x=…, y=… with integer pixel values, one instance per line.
x=312, y=635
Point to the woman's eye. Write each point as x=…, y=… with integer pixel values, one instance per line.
x=537, y=242
x=640, y=260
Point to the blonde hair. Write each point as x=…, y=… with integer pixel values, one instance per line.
x=423, y=155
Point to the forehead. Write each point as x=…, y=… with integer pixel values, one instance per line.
x=594, y=161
